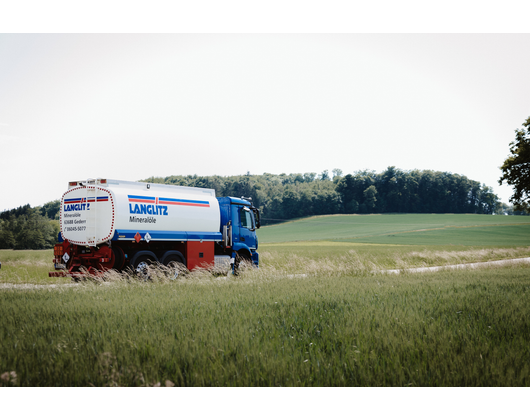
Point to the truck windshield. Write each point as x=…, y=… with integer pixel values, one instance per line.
x=246, y=219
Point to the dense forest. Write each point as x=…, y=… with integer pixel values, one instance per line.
x=30, y=228
x=283, y=197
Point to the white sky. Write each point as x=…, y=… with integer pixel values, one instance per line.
x=132, y=106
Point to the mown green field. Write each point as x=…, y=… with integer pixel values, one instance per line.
x=408, y=229
x=317, y=313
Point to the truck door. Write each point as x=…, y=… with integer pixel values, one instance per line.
x=247, y=234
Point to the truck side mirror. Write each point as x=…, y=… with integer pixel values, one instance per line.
x=256, y=216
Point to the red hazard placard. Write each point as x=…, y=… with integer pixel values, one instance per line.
x=138, y=237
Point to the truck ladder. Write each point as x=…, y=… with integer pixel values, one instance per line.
x=91, y=218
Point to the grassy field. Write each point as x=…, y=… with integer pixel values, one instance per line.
x=407, y=229
x=317, y=313
x=22, y=267
x=442, y=329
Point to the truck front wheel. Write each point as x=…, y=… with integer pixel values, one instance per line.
x=242, y=261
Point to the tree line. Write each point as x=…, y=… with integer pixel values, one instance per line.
x=287, y=196
x=30, y=228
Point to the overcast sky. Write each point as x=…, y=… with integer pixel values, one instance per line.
x=132, y=106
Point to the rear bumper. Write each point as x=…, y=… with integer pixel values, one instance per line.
x=66, y=274
x=59, y=274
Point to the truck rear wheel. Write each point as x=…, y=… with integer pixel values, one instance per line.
x=175, y=262
x=119, y=258
x=142, y=262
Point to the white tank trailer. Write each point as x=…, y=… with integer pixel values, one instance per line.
x=109, y=224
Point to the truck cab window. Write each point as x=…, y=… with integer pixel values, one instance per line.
x=246, y=218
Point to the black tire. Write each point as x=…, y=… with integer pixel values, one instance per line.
x=171, y=256
x=176, y=263
x=241, y=261
x=142, y=262
x=119, y=260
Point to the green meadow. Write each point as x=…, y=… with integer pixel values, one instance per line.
x=320, y=311
x=27, y=267
x=405, y=229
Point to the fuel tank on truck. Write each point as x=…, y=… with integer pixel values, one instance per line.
x=96, y=211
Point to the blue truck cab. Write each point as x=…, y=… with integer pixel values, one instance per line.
x=239, y=221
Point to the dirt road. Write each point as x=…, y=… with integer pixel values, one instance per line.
x=472, y=266
x=460, y=266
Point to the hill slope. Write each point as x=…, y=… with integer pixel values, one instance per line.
x=418, y=229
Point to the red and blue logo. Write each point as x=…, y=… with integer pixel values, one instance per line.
x=83, y=203
x=139, y=204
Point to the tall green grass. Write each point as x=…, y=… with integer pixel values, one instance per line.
x=316, y=313
x=321, y=257
x=271, y=328
x=27, y=266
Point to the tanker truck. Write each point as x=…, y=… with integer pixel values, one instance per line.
x=110, y=224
